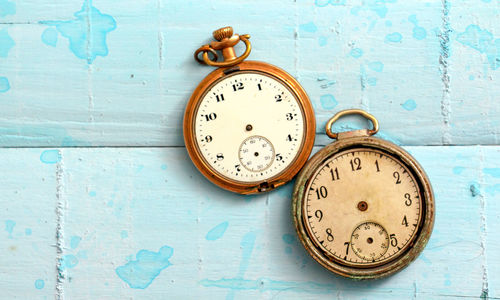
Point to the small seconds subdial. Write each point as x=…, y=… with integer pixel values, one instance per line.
x=256, y=153
x=369, y=241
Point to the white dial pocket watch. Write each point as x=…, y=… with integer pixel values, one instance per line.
x=363, y=207
x=249, y=126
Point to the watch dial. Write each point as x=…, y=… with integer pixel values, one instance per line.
x=362, y=207
x=249, y=126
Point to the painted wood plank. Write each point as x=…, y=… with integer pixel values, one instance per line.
x=29, y=188
x=399, y=60
x=123, y=208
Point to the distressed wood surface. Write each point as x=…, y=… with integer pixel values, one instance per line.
x=115, y=203
x=427, y=70
x=96, y=184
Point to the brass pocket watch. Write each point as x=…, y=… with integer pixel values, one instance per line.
x=249, y=126
x=363, y=207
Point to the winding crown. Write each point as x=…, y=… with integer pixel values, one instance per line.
x=222, y=33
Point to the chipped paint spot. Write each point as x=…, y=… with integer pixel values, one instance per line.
x=356, y=52
x=419, y=33
x=217, y=232
x=74, y=241
x=124, y=234
x=288, y=238
x=68, y=261
x=394, y=37
x=39, y=284
x=494, y=172
x=50, y=156
x=323, y=3
x=409, y=105
x=7, y=8
x=475, y=189
x=458, y=170
x=483, y=41
x=92, y=193
x=49, y=37
x=77, y=32
x=9, y=227
x=140, y=273
x=6, y=43
x=328, y=101
x=28, y=231
x=4, y=84
x=308, y=27
x=376, y=66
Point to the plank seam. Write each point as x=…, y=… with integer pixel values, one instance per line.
x=483, y=228
x=445, y=76
x=60, y=208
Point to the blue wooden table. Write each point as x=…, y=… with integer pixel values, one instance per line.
x=98, y=197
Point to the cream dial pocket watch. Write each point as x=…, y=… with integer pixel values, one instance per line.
x=249, y=126
x=363, y=207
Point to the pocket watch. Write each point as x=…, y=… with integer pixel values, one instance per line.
x=363, y=207
x=249, y=126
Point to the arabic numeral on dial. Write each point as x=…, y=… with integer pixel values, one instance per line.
x=259, y=86
x=404, y=222
x=376, y=164
x=319, y=215
x=289, y=116
x=238, y=169
x=335, y=174
x=347, y=244
x=219, y=98
x=329, y=235
x=278, y=98
x=394, y=240
x=321, y=192
x=211, y=116
x=290, y=138
x=279, y=157
x=408, y=199
x=355, y=164
x=220, y=156
x=208, y=138
x=238, y=86
x=396, y=176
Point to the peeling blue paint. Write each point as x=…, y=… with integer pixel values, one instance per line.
x=77, y=32
x=49, y=37
x=475, y=189
x=328, y=101
x=39, y=284
x=68, y=261
x=308, y=27
x=376, y=66
x=394, y=37
x=4, y=84
x=322, y=41
x=140, y=273
x=409, y=105
x=74, y=241
x=217, y=232
x=9, y=227
x=483, y=41
x=419, y=33
x=6, y=43
x=323, y=3
x=7, y=8
x=356, y=52
x=124, y=234
x=92, y=193
x=50, y=156
x=28, y=231
x=376, y=6
x=288, y=238
x=458, y=170
x=495, y=172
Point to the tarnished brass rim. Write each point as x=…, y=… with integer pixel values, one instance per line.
x=425, y=226
x=275, y=181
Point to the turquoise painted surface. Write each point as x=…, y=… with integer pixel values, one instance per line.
x=83, y=219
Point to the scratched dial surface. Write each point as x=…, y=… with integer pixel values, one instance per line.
x=362, y=207
x=249, y=111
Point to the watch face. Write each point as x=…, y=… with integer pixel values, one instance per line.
x=362, y=207
x=249, y=126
